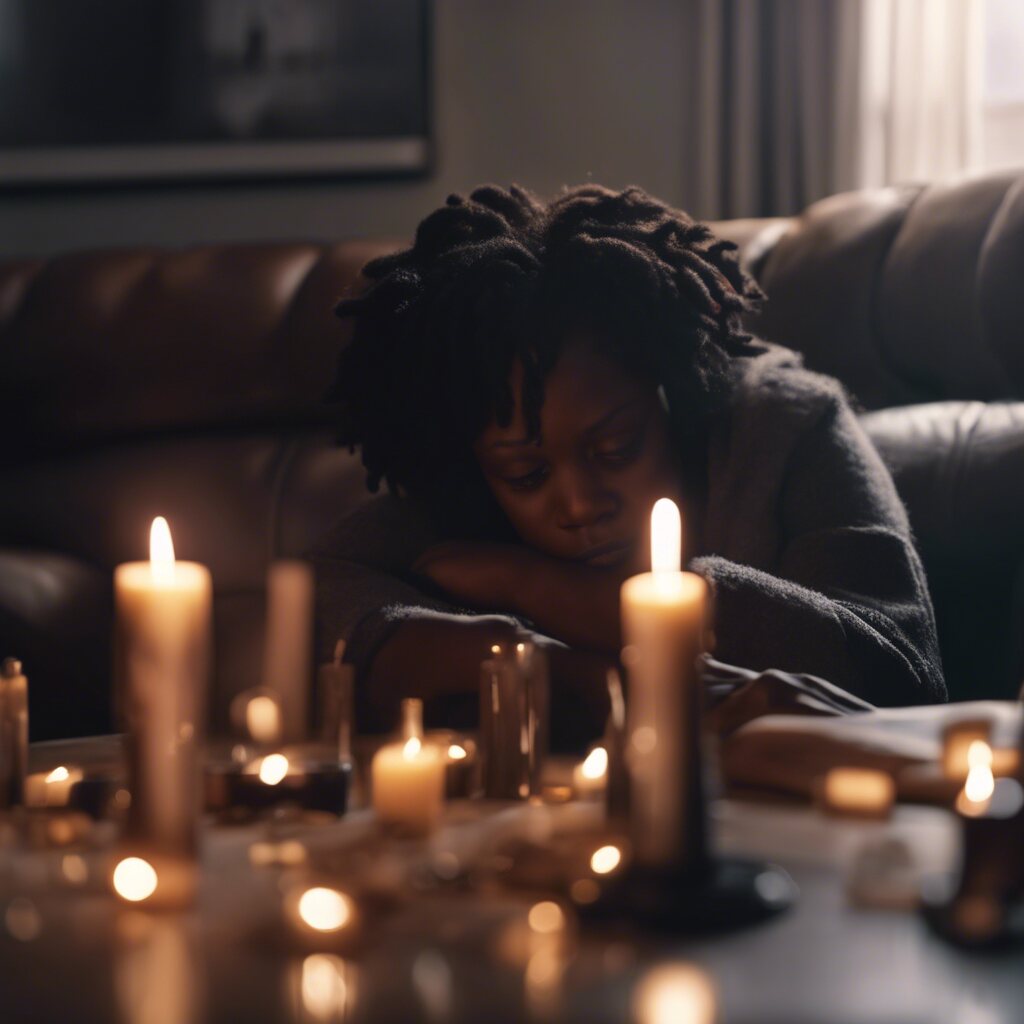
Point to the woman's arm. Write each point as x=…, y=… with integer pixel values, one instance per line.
x=847, y=599
x=406, y=642
x=577, y=604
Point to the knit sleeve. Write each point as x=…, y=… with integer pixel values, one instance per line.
x=365, y=589
x=847, y=599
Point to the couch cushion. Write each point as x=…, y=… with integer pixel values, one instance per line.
x=959, y=467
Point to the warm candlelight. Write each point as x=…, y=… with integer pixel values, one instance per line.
x=272, y=769
x=263, y=719
x=135, y=879
x=980, y=783
x=163, y=629
x=324, y=987
x=52, y=788
x=861, y=792
x=675, y=993
x=664, y=620
x=605, y=859
x=324, y=910
x=957, y=738
x=589, y=777
x=408, y=785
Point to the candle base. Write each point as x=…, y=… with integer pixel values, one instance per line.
x=726, y=894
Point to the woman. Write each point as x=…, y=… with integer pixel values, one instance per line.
x=527, y=379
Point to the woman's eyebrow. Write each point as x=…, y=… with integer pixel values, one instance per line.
x=592, y=429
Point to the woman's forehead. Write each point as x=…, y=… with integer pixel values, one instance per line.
x=584, y=388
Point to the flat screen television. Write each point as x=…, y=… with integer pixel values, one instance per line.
x=148, y=90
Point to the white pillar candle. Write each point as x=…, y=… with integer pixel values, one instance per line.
x=162, y=659
x=664, y=621
x=408, y=785
x=288, y=648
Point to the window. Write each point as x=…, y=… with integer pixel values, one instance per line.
x=1002, y=131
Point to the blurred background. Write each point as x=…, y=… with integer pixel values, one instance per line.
x=125, y=122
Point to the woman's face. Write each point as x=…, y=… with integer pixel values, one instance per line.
x=584, y=490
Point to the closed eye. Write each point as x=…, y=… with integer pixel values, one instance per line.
x=619, y=452
x=528, y=481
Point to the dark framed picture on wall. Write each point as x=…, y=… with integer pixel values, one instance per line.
x=119, y=91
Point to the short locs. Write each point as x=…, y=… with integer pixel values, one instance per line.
x=499, y=277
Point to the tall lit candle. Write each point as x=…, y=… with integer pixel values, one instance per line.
x=664, y=621
x=162, y=659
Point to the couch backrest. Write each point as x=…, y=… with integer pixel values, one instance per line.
x=905, y=294
x=136, y=383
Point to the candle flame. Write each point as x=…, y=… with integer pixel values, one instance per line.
x=325, y=910
x=324, y=989
x=666, y=536
x=263, y=719
x=161, y=550
x=980, y=783
x=273, y=768
x=675, y=992
x=457, y=753
x=979, y=755
x=134, y=879
x=411, y=749
x=605, y=859
x=596, y=764
x=546, y=917
x=60, y=774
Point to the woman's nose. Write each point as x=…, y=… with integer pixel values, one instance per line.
x=585, y=500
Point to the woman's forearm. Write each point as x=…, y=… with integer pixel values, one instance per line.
x=578, y=604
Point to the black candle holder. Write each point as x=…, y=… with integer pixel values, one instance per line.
x=984, y=905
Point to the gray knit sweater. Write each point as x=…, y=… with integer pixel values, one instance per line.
x=801, y=532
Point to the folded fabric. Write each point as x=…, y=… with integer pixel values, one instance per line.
x=781, y=732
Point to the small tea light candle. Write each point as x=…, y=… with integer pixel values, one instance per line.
x=321, y=916
x=673, y=993
x=980, y=783
x=858, y=792
x=51, y=789
x=160, y=881
x=590, y=776
x=408, y=785
x=957, y=738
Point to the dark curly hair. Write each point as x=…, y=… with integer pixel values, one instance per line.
x=501, y=277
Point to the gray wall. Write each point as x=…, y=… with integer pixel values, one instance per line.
x=540, y=92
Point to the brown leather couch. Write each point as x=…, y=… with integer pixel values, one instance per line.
x=138, y=382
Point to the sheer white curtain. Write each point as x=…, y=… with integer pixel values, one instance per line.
x=797, y=99
x=908, y=86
